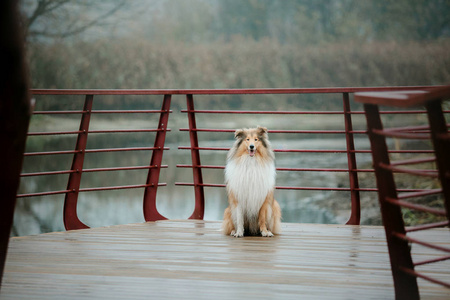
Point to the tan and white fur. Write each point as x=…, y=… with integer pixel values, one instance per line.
x=250, y=180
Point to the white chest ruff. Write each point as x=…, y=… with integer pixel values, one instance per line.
x=250, y=180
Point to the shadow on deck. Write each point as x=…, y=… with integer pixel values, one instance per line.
x=192, y=259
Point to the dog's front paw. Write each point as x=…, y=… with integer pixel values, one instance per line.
x=238, y=233
x=266, y=233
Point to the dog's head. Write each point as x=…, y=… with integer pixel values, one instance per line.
x=252, y=140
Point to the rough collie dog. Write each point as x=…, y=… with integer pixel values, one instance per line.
x=250, y=181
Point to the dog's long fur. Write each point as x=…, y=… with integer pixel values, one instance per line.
x=250, y=180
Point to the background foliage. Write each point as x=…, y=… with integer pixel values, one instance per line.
x=237, y=43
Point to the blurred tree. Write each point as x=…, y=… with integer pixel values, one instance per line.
x=330, y=20
x=408, y=19
x=288, y=21
x=64, y=18
x=248, y=18
x=185, y=21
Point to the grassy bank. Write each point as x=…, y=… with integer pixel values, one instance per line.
x=132, y=63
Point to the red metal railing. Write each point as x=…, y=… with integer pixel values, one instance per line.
x=152, y=182
x=71, y=220
x=399, y=239
x=350, y=150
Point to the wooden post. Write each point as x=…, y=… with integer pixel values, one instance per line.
x=15, y=111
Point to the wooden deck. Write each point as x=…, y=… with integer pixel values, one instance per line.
x=192, y=259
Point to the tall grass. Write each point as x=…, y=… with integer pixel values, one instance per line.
x=133, y=63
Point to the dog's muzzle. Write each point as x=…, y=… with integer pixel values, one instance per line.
x=251, y=150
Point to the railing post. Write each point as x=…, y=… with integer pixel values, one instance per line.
x=441, y=144
x=355, y=214
x=199, y=209
x=150, y=211
x=399, y=251
x=71, y=220
x=14, y=117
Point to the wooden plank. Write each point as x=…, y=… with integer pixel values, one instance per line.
x=192, y=259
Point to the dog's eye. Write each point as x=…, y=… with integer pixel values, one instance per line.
x=248, y=139
x=256, y=140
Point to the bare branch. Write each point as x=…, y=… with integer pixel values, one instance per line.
x=47, y=10
x=44, y=7
x=94, y=22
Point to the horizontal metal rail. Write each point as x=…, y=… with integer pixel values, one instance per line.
x=423, y=276
x=44, y=193
x=304, y=188
x=124, y=149
x=418, y=172
x=307, y=150
x=430, y=261
x=47, y=173
x=281, y=169
x=402, y=135
x=263, y=112
x=277, y=187
x=306, y=112
x=276, y=150
x=152, y=111
x=69, y=112
x=255, y=91
x=439, y=212
x=280, y=131
x=420, y=194
x=127, y=130
x=427, y=226
x=110, y=188
x=54, y=133
x=95, y=151
x=413, y=161
x=420, y=242
x=122, y=168
x=60, y=112
x=52, y=152
x=94, y=131
x=95, y=189
x=91, y=170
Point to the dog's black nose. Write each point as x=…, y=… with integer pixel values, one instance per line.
x=252, y=147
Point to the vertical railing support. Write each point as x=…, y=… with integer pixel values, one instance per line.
x=441, y=144
x=399, y=250
x=150, y=210
x=355, y=215
x=71, y=220
x=199, y=209
x=15, y=111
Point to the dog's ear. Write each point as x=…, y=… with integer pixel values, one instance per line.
x=239, y=134
x=262, y=131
